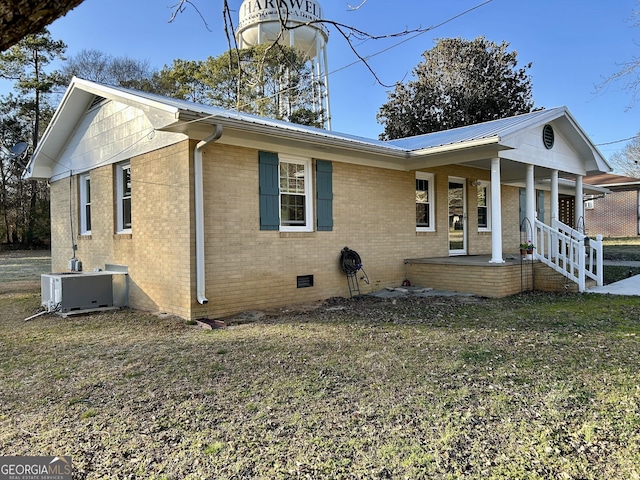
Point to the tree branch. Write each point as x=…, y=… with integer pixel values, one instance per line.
x=20, y=18
x=181, y=7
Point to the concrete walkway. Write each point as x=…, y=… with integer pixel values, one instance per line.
x=628, y=286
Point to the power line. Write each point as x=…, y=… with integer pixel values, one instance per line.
x=421, y=32
x=384, y=50
x=618, y=141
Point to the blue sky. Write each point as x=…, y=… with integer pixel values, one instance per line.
x=572, y=44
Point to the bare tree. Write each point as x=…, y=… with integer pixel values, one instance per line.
x=101, y=67
x=19, y=18
x=628, y=73
x=627, y=161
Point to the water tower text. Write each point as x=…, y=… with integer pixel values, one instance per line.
x=304, y=9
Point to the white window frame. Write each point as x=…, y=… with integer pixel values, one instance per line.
x=308, y=227
x=487, y=186
x=85, y=204
x=120, y=228
x=429, y=177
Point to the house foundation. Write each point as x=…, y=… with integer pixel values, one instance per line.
x=476, y=274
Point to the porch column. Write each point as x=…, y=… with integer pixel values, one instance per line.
x=555, y=213
x=579, y=220
x=496, y=213
x=554, y=197
x=530, y=228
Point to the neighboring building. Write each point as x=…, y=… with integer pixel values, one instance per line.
x=615, y=214
x=213, y=212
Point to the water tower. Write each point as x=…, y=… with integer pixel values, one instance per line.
x=260, y=23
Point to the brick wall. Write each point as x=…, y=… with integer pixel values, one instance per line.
x=158, y=251
x=373, y=213
x=615, y=215
x=246, y=268
x=489, y=280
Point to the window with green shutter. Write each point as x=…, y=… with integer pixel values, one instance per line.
x=286, y=202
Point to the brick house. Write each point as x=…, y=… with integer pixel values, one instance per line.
x=213, y=212
x=616, y=214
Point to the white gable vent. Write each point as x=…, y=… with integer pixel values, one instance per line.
x=97, y=101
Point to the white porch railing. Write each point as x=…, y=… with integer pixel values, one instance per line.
x=569, y=252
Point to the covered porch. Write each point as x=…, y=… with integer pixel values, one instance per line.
x=546, y=155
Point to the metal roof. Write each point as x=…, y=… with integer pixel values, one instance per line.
x=208, y=112
x=495, y=128
x=174, y=115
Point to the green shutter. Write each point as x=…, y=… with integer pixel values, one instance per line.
x=269, y=191
x=324, y=195
x=523, y=209
x=541, y=205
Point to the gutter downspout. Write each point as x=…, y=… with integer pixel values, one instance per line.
x=199, y=205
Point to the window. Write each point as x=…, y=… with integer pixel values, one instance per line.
x=484, y=206
x=85, y=204
x=286, y=201
x=123, y=179
x=425, y=221
x=294, y=194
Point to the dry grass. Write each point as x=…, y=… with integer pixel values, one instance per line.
x=530, y=387
x=20, y=270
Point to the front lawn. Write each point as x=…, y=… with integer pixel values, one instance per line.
x=623, y=249
x=535, y=386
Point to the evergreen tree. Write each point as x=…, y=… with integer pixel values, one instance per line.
x=460, y=82
x=23, y=117
x=267, y=80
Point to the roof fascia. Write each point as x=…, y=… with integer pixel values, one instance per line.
x=33, y=166
x=282, y=132
x=114, y=93
x=454, y=147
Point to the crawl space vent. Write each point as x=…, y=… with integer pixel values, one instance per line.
x=305, y=281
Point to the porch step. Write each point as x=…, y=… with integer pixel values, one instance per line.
x=549, y=280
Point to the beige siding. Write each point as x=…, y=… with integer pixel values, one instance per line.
x=112, y=132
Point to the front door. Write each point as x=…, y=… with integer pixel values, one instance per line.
x=457, y=216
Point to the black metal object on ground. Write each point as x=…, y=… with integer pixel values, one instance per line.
x=351, y=264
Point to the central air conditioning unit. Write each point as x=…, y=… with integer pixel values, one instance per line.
x=69, y=292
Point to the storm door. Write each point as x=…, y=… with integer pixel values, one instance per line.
x=457, y=216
